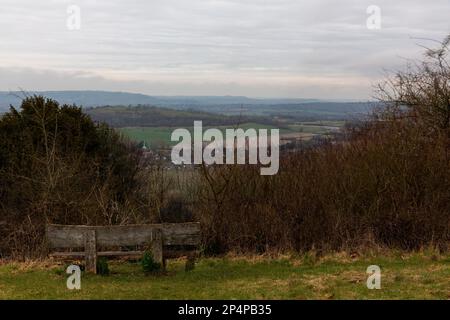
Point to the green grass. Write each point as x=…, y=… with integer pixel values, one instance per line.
x=412, y=277
x=160, y=136
x=316, y=127
x=153, y=136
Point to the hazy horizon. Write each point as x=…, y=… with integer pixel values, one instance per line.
x=25, y=92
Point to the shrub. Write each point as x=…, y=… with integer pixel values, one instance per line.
x=149, y=265
x=386, y=184
x=190, y=264
x=58, y=166
x=102, y=266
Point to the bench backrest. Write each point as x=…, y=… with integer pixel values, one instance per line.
x=72, y=236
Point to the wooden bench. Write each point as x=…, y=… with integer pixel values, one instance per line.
x=161, y=239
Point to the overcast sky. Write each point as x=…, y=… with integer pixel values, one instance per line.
x=257, y=48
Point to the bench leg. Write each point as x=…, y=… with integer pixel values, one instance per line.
x=157, y=247
x=90, y=247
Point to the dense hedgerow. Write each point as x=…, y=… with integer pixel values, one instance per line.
x=387, y=183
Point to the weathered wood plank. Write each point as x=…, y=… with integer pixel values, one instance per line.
x=120, y=253
x=66, y=254
x=62, y=236
x=90, y=249
x=59, y=236
x=166, y=254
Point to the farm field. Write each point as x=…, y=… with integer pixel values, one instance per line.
x=160, y=136
x=403, y=276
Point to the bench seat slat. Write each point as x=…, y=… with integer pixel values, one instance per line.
x=166, y=254
x=66, y=236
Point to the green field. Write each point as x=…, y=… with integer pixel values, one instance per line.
x=403, y=276
x=153, y=136
x=160, y=136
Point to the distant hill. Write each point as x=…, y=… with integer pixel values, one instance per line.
x=306, y=111
x=81, y=98
x=102, y=98
x=290, y=109
x=148, y=116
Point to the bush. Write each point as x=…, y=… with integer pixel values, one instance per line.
x=386, y=184
x=149, y=265
x=102, y=266
x=58, y=166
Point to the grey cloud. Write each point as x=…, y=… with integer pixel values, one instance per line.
x=249, y=47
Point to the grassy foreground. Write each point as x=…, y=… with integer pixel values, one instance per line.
x=413, y=276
